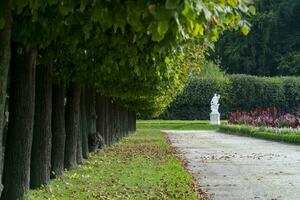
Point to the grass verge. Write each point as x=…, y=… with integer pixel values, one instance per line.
x=141, y=166
x=263, y=134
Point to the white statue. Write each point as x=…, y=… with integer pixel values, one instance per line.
x=214, y=106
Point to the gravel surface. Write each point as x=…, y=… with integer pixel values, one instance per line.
x=235, y=168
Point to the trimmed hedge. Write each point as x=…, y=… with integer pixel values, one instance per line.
x=194, y=102
x=263, y=134
x=238, y=93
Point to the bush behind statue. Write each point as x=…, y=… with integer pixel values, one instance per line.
x=238, y=93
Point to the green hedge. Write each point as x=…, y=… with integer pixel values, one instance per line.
x=238, y=93
x=252, y=132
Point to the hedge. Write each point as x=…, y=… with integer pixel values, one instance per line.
x=263, y=134
x=238, y=93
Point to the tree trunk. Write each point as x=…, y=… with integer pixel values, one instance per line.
x=100, y=123
x=84, y=130
x=79, y=156
x=134, y=124
x=93, y=135
x=72, y=124
x=58, y=130
x=20, y=127
x=107, y=121
x=126, y=121
x=121, y=111
x=42, y=134
x=111, y=119
x=118, y=122
x=5, y=56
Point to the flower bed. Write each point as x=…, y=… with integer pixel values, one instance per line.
x=266, y=124
x=265, y=118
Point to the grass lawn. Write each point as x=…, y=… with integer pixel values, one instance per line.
x=146, y=125
x=141, y=166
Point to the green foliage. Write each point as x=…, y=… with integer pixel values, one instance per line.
x=290, y=64
x=263, y=134
x=141, y=166
x=271, y=48
x=210, y=70
x=238, y=93
x=138, y=53
x=133, y=50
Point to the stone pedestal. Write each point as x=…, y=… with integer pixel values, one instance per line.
x=215, y=118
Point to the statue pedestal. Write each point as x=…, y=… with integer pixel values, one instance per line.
x=215, y=118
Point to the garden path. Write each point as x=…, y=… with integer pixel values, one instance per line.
x=236, y=168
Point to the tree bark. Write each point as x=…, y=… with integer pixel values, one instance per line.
x=112, y=121
x=118, y=132
x=42, y=134
x=58, y=130
x=93, y=142
x=79, y=156
x=100, y=109
x=84, y=130
x=72, y=125
x=20, y=127
x=107, y=121
x=134, y=118
x=5, y=56
x=121, y=111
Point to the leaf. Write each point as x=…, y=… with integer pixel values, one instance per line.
x=187, y=12
x=172, y=4
x=233, y=3
x=245, y=30
x=156, y=36
x=167, y=60
x=252, y=10
x=198, y=30
x=162, y=27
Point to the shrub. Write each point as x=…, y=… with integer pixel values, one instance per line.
x=238, y=93
x=194, y=102
x=242, y=130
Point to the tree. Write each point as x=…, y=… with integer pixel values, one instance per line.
x=58, y=129
x=5, y=54
x=29, y=35
x=40, y=165
x=127, y=51
x=272, y=46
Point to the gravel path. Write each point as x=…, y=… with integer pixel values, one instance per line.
x=237, y=168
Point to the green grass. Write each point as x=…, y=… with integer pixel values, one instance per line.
x=174, y=125
x=141, y=166
x=263, y=134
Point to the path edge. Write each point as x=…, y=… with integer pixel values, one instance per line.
x=195, y=185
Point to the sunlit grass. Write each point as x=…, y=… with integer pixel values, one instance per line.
x=141, y=166
x=147, y=125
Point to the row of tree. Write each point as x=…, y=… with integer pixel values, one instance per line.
x=77, y=71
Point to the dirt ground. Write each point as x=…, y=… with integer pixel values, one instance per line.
x=237, y=168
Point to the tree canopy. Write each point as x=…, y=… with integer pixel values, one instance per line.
x=128, y=50
x=273, y=45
